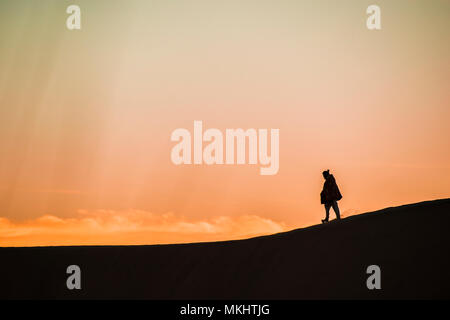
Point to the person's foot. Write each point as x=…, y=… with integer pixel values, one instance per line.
x=324, y=220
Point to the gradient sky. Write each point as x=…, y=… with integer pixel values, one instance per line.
x=86, y=115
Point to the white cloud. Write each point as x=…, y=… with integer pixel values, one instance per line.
x=131, y=227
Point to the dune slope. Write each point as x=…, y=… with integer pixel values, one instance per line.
x=410, y=243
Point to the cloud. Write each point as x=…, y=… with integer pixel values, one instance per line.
x=108, y=227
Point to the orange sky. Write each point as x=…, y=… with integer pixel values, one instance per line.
x=86, y=115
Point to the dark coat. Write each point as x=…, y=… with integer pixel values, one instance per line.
x=330, y=191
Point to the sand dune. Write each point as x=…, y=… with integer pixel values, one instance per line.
x=410, y=243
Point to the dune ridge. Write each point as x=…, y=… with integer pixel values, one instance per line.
x=410, y=243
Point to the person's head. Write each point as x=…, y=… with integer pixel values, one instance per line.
x=326, y=174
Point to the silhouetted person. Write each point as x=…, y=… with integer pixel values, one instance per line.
x=330, y=195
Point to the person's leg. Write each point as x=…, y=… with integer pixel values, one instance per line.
x=336, y=210
x=327, y=212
